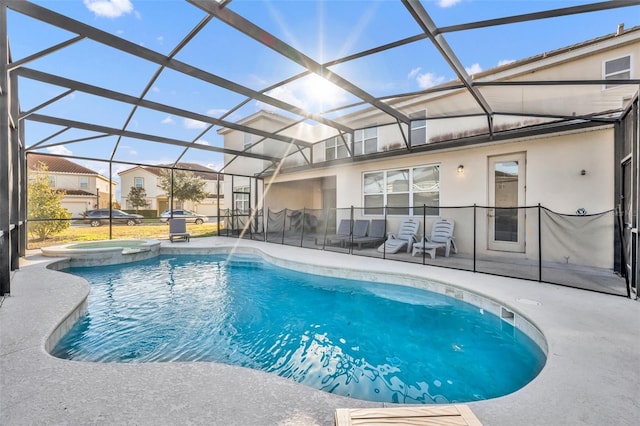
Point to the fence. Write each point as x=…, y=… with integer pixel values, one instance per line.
x=531, y=243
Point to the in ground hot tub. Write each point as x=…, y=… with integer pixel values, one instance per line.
x=106, y=252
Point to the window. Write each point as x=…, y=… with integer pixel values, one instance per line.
x=365, y=141
x=335, y=148
x=403, y=191
x=138, y=182
x=84, y=182
x=418, y=132
x=247, y=141
x=52, y=181
x=617, y=69
x=241, y=200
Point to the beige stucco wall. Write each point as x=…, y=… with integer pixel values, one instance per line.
x=553, y=179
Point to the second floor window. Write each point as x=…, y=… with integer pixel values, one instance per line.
x=418, y=132
x=138, y=182
x=365, y=141
x=617, y=69
x=52, y=181
x=335, y=148
x=84, y=182
x=247, y=141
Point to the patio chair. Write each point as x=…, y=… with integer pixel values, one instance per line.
x=375, y=235
x=406, y=236
x=178, y=229
x=344, y=228
x=360, y=229
x=441, y=237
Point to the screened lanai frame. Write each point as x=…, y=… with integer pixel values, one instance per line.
x=12, y=118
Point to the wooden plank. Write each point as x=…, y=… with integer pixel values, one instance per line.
x=468, y=415
x=412, y=411
x=436, y=415
x=343, y=417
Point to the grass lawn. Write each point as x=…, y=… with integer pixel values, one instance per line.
x=148, y=230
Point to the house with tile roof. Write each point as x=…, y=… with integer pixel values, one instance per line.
x=84, y=189
x=148, y=178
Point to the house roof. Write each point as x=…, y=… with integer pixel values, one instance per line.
x=198, y=169
x=58, y=165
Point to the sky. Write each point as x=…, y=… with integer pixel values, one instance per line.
x=322, y=30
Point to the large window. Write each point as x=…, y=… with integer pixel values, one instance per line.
x=403, y=191
x=365, y=141
x=335, y=148
x=617, y=69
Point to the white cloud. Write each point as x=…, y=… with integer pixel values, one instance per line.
x=473, y=69
x=160, y=39
x=448, y=3
x=216, y=112
x=429, y=79
x=109, y=8
x=155, y=89
x=60, y=150
x=190, y=123
x=202, y=142
x=413, y=73
x=505, y=62
x=168, y=120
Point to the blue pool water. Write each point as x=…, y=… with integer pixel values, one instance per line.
x=370, y=341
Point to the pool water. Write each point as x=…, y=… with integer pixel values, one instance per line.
x=370, y=341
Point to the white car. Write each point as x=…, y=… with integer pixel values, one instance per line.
x=189, y=216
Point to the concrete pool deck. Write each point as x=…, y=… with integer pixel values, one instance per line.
x=591, y=376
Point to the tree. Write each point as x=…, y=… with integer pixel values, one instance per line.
x=186, y=185
x=45, y=202
x=137, y=197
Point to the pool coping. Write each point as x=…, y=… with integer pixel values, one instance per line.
x=591, y=376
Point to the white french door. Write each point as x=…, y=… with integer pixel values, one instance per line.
x=506, y=193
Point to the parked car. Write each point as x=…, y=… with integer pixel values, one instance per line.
x=189, y=216
x=101, y=216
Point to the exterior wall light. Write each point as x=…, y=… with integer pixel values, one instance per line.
x=460, y=168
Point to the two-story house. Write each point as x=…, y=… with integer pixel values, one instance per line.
x=84, y=188
x=147, y=177
x=525, y=152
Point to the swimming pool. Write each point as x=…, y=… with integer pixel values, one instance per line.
x=369, y=341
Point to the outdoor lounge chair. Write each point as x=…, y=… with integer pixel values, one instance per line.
x=441, y=237
x=376, y=234
x=178, y=229
x=360, y=229
x=406, y=236
x=344, y=229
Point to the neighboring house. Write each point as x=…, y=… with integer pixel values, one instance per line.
x=452, y=161
x=84, y=188
x=148, y=177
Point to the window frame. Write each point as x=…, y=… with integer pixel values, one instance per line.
x=364, y=140
x=135, y=182
x=412, y=210
x=83, y=182
x=335, y=145
x=604, y=70
x=247, y=141
x=412, y=129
